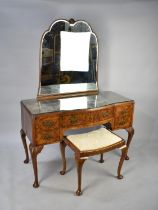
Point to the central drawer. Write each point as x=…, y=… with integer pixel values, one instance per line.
x=74, y=119
x=103, y=114
x=87, y=117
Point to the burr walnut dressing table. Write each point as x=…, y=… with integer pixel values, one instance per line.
x=68, y=97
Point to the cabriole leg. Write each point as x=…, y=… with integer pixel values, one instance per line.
x=35, y=150
x=130, y=136
x=62, y=149
x=124, y=153
x=23, y=138
x=79, y=165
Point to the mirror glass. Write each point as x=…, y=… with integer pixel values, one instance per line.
x=68, y=60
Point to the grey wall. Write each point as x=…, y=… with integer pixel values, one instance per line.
x=128, y=63
x=128, y=54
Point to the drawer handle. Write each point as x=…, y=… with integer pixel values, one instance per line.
x=73, y=119
x=105, y=114
x=48, y=123
x=121, y=123
x=124, y=112
x=47, y=136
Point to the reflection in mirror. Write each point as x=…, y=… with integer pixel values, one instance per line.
x=63, y=104
x=77, y=57
x=68, y=60
x=70, y=103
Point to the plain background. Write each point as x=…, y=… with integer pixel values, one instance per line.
x=127, y=31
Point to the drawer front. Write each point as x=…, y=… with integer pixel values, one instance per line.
x=47, y=122
x=73, y=120
x=103, y=114
x=47, y=129
x=47, y=137
x=87, y=117
x=123, y=116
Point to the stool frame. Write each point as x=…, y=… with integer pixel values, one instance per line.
x=82, y=156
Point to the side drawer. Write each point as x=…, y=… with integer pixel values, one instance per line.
x=47, y=122
x=124, y=115
x=47, y=137
x=46, y=129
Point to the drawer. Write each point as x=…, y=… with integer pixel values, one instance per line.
x=47, y=123
x=124, y=115
x=47, y=137
x=74, y=119
x=87, y=117
x=46, y=129
x=103, y=114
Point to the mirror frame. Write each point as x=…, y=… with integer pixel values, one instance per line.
x=66, y=94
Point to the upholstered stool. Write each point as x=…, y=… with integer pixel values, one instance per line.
x=92, y=143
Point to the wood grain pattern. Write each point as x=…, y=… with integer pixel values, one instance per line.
x=87, y=117
x=46, y=129
x=123, y=115
x=49, y=128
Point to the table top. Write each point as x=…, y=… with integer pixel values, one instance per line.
x=103, y=98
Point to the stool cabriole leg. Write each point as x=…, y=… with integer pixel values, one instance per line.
x=79, y=165
x=123, y=156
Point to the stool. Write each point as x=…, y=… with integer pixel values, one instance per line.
x=89, y=144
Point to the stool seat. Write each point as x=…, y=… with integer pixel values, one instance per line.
x=94, y=140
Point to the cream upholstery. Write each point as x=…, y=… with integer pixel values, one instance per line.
x=94, y=139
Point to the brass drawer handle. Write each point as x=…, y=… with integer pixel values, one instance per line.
x=47, y=136
x=122, y=122
x=124, y=112
x=105, y=114
x=73, y=119
x=48, y=123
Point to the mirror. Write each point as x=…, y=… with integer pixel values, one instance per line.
x=68, y=60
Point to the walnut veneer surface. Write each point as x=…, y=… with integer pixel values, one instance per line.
x=44, y=122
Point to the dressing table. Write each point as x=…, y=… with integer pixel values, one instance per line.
x=68, y=96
